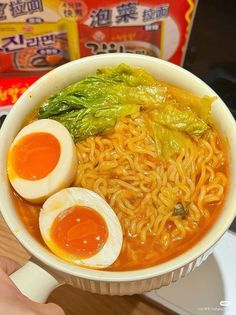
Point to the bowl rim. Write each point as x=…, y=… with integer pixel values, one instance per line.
x=42, y=254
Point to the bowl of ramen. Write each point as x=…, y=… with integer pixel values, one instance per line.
x=117, y=172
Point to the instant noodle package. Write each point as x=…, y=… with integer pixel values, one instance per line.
x=38, y=35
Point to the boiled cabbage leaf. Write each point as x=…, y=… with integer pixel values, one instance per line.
x=93, y=105
x=95, y=120
x=200, y=105
x=184, y=120
x=168, y=142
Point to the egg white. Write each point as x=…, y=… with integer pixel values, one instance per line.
x=73, y=196
x=61, y=176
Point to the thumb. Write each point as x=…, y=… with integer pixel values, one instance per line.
x=50, y=309
x=8, y=265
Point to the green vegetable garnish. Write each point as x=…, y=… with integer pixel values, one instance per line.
x=93, y=105
x=94, y=120
x=184, y=120
x=168, y=141
x=180, y=210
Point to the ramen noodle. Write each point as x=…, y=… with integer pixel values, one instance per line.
x=160, y=164
x=144, y=191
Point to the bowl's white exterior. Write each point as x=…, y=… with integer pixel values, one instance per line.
x=106, y=282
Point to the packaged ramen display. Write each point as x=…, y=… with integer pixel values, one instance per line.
x=156, y=28
x=38, y=35
x=35, y=37
x=34, y=47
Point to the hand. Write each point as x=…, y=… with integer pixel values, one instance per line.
x=13, y=302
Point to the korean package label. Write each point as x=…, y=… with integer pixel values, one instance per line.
x=157, y=28
x=38, y=35
x=34, y=36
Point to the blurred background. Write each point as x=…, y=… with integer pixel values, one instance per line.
x=211, y=53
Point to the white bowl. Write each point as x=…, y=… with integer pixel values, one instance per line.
x=107, y=282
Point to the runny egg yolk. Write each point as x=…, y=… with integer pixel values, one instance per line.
x=35, y=155
x=80, y=231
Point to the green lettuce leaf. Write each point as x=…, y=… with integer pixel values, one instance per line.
x=184, y=120
x=93, y=105
x=200, y=105
x=168, y=142
x=91, y=121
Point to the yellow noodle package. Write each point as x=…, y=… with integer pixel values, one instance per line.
x=37, y=47
x=35, y=37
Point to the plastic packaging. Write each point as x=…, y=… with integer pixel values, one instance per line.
x=38, y=35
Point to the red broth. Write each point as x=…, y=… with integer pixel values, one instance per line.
x=29, y=214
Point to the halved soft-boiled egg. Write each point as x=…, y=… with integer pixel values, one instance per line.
x=42, y=160
x=80, y=227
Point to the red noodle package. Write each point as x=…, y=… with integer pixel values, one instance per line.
x=12, y=88
x=157, y=28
